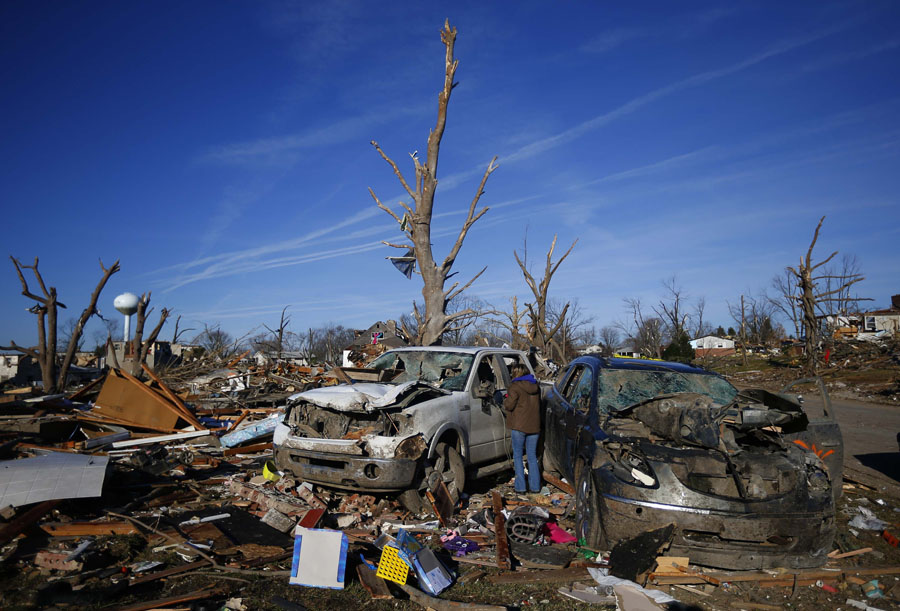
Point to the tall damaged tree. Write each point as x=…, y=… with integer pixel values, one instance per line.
x=540, y=330
x=46, y=309
x=415, y=222
x=140, y=347
x=809, y=297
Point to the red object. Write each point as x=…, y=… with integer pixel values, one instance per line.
x=829, y=588
x=891, y=539
x=827, y=355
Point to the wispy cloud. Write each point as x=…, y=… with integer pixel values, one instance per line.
x=280, y=149
x=610, y=39
x=836, y=59
x=702, y=78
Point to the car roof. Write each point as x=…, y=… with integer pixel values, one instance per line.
x=457, y=349
x=604, y=362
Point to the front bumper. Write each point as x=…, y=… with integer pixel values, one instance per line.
x=348, y=472
x=727, y=540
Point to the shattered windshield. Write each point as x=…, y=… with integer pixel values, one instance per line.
x=621, y=388
x=448, y=370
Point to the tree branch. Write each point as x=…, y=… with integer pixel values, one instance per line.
x=467, y=285
x=397, y=171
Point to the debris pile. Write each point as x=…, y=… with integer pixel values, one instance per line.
x=134, y=495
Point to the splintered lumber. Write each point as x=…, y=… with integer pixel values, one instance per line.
x=803, y=578
x=78, y=395
x=173, y=407
x=259, y=447
x=551, y=576
x=175, y=570
x=564, y=486
x=88, y=529
x=173, y=397
x=439, y=604
x=503, y=559
x=837, y=556
x=174, y=600
x=374, y=585
x=22, y=522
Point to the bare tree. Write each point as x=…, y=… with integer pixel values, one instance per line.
x=540, y=330
x=460, y=333
x=278, y=333
x=809, y=296
x=702, y=327
x=46, y=309
x=758, y=316
x=574, y=332
x=66, y=333
x=672, y=308
x=609, y=340
x=140, y=346
x=176, y=336
x=645, y=333
x=216, y=343
x=784, y=299
x=506, y=326
x=415, y=223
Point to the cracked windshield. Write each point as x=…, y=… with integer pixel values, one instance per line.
x=445, y=369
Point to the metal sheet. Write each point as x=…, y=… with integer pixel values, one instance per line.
x=56, y=475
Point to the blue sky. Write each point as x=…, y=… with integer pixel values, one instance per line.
x=221, y=150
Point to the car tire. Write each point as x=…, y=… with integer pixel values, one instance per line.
x=446, y=464
x=587, y=508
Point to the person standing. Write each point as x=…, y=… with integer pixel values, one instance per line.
x=523, y=404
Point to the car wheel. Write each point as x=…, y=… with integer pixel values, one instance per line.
x=587, y=508
x=447, y=465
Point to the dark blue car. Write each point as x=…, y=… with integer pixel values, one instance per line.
x=747, y=479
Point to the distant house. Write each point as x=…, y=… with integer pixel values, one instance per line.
x=20, y=368
x=159, y=354
x=386, y=334
x=887, y=320
x=268, y=358
x=710, y=345
x=864, y=323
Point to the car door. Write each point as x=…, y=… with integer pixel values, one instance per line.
x=555, y=418
x=580, y=398
x=487, y=424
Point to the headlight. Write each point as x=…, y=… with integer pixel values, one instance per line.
x=817, y=479
x=633, y=469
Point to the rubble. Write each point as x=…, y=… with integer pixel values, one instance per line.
x=183, y=504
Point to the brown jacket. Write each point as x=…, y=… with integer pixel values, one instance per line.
x=523, y=402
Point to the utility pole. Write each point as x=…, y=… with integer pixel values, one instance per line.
x=743, y=333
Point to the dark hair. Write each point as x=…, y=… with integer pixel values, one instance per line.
x=518, y=370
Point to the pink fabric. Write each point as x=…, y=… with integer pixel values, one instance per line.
x=557, y=534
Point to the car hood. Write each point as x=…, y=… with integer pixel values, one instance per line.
x=361, y=397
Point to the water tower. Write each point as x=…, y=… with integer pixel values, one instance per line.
x=127, y=304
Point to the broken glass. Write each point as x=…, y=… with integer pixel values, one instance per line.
x=621, y=388
x=448, y=370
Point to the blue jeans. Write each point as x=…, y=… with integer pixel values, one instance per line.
x=525, y=443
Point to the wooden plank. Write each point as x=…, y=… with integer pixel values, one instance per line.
x=342, y=375
x=244, y=414
x=175, y=570
x=173, y=600
x=259, y=447
x=837, y=556
x=311, y=518
x=503, y=559
x=188, y=415
x=564, y=486
x=87, y=389
x=552, y=576
x=88, y=529
x=440, y=604
x=374, y=585
x=24, y=521
x=124, y=398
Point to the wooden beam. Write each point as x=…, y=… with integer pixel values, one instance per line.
x=87, y=389
x=160, y=400
x=259, y=447
x=374, y=585
x=88, y=529
x=503, y=559
x=564, y=486
x=175, y=570
x=27, y=519
x=174, y=600
x=168, y=392
x=551, y=576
